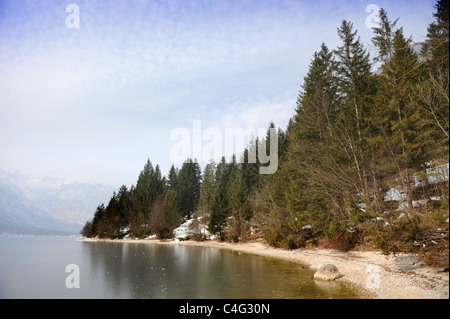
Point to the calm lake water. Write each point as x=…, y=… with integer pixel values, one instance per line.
x=35, y=267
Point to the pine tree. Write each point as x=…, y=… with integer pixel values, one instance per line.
x=220, y=205
x=188, y=187
x=111, y=219
x=436, y=45
x=315, y=107
x=312, y=138
x=354, y=85
x=144, y=189
x=394, y=115
x=384, y=38
x=126, y=206
x=98, y=217
x=432, y=95
x=233, y=172
x=299, y=193
x=172, y=178
x=249, y=174
x=157, y=182
x=379, y=129
x=206, y=192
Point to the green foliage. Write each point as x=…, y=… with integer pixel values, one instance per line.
x=149, y=185
x=220, y=211
x=188, y=187
x=164, y=218
x=357, y=130
x=285, y=238
x=436, y=45
x=274, y=237
x=440, y=213
x=400, y=235
x=341, y=235
x=354, y=135
x=87, y=229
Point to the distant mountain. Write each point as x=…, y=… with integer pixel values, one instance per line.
x=30, y=205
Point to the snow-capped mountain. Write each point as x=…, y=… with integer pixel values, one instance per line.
x=32, y=204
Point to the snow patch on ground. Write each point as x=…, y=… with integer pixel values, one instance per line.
x=433, y=175
x=186, y=230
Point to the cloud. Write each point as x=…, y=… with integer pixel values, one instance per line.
x=254, y=113
x=97, y=101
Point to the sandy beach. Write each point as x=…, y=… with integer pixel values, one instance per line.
x=372, y=273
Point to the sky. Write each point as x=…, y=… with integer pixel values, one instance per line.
x=92, y=103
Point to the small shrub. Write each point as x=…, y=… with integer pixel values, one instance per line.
x=198, y=237
x=439, y=213
x=400, y=235
x=294, y=242
x=273, y=238
x=340, y=236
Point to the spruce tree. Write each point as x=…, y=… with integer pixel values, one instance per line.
x=312, y=137
x=354, y=88
x=126, y=206
x=393, y=114
x=172, y=178
x=96, y=221
x=315, y=106
x=206, y=192
x=436, y=46
x=157, y=182
x=144, y=189
x=432, y=95
x=383, y=38
x=220, y=205
x=188, y=187
x=248, y=174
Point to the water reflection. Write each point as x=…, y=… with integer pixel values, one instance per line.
x=142, y=270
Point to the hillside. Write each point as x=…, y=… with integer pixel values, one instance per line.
x=30, y=205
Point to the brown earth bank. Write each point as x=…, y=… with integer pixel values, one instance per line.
x=375, y=275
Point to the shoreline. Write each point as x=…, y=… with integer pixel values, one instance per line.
x=372, y=274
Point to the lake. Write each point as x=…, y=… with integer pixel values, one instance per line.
x=35, y=267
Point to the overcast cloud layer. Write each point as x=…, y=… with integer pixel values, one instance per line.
x=92, y=104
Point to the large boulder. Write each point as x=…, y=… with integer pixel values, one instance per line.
x=328, y=272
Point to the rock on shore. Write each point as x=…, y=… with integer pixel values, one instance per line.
x=328, y=272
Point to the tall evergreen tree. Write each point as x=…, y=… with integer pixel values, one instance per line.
x=96, y=221
x=354, y=86
x=432, y=95
x=436, y=46
x=249, y=174
x=126, y=206
x=172, y=178
x=394, y=115
x=220, y=204
x=312, y=140
x=157, y=182
x=144, y=189
x=188, y=187
x=206, y=192
x=383, y=38
x=315, y=107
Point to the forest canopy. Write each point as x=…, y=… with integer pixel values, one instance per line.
x=362, y=163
